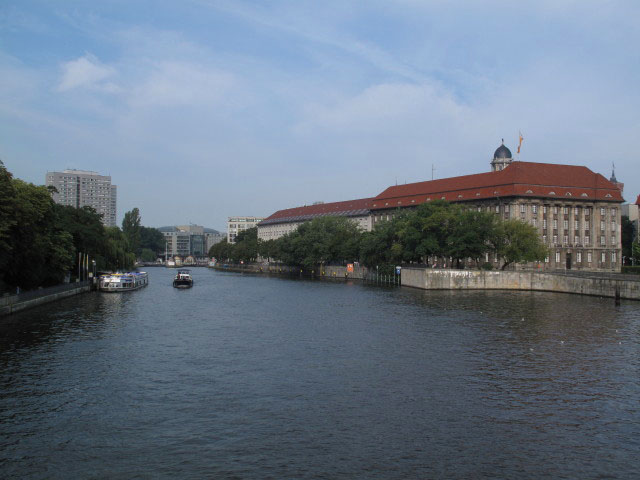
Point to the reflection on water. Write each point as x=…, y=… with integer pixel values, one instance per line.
x=254, y=377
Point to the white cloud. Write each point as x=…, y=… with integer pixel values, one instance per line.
x=87, y=72
x=182, y=84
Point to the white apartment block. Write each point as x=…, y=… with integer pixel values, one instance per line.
x=80, y=188
x=235, y=225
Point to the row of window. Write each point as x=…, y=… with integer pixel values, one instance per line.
x=576, y=240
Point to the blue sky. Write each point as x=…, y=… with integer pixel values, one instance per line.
x=204, y=109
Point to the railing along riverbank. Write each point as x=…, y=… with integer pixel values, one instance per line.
x=13, y=303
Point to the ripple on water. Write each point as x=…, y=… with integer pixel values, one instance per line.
x=252, y=377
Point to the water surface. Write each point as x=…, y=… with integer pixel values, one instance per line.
x=262, y=377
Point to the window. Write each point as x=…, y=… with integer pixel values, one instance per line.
x=523, y=208
x=576, y=211
x=544, y=223
x=506, y=208
x=497, y=208
x=544, y=239
x=566, y=210
x=603, y=257
x=602, y=225
x=555, y=239
x=534, y=208
x=555, y=224
x=544, y=209
x=565, y=224
x=579, y=257
x=603, y=212
x=546, y=259
x=602, y=240
x=576, y=225
x=576, y=240
x=565, y=239
x=613, y=257
x=613, y=225
x=587, y=240
x=614, y=212
x=557, y=257
x=613, y=240
x=589, y=257
x=586, y=224
x=555, y=210
x=534, y=222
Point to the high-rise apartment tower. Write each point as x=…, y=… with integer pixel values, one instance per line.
x=79, y=188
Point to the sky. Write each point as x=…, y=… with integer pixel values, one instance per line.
x=204, y=109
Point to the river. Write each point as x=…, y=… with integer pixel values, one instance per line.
x=252, y=377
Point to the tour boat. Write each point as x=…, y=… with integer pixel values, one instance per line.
x=183, y=279
x=123, y=282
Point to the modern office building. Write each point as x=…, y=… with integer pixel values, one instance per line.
x=235, y=225
x=80, y=188
x=194, y=240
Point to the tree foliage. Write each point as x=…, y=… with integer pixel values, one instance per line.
x=40, y=241
x=151, y=239
x=434, y=230
x=131, y=228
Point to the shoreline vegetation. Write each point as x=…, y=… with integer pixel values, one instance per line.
x=438, y=233
x=44, y=244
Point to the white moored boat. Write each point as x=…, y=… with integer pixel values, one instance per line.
x=123, y=282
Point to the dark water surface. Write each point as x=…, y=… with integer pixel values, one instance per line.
x=256, y=377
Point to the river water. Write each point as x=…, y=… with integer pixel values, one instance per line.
x=254, y=377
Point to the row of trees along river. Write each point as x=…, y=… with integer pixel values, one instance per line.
x=436, y=230
x=41, y=241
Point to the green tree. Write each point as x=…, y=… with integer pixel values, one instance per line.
x=152, y=239
x=323, y=240
x=7, y=215
x=131, y=228
x=246, y=246
x=42, y=252
x=516, y=241
x=147, y=255
x=221, y=251
x=635, y=253
x=118, y=254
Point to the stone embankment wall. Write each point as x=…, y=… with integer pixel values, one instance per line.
x=13, y=303
x=615, y=286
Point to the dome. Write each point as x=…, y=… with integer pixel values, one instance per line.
x=502, y=152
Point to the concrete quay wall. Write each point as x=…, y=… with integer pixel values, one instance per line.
x=13, y=303
x=440, y=279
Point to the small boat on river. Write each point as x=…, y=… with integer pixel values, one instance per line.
x=183, y=279
x=123, y=282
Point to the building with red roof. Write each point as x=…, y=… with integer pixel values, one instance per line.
x=576, y=211
x=286, y=221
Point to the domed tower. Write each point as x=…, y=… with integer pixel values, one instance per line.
x=615, y=181
x=501, y=158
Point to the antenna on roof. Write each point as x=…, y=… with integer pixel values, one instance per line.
x=433, y=169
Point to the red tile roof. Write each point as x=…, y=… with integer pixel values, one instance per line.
x=523, y=179
x=638, y=200
x=348, y=208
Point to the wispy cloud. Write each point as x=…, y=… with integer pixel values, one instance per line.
x=89, y=73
